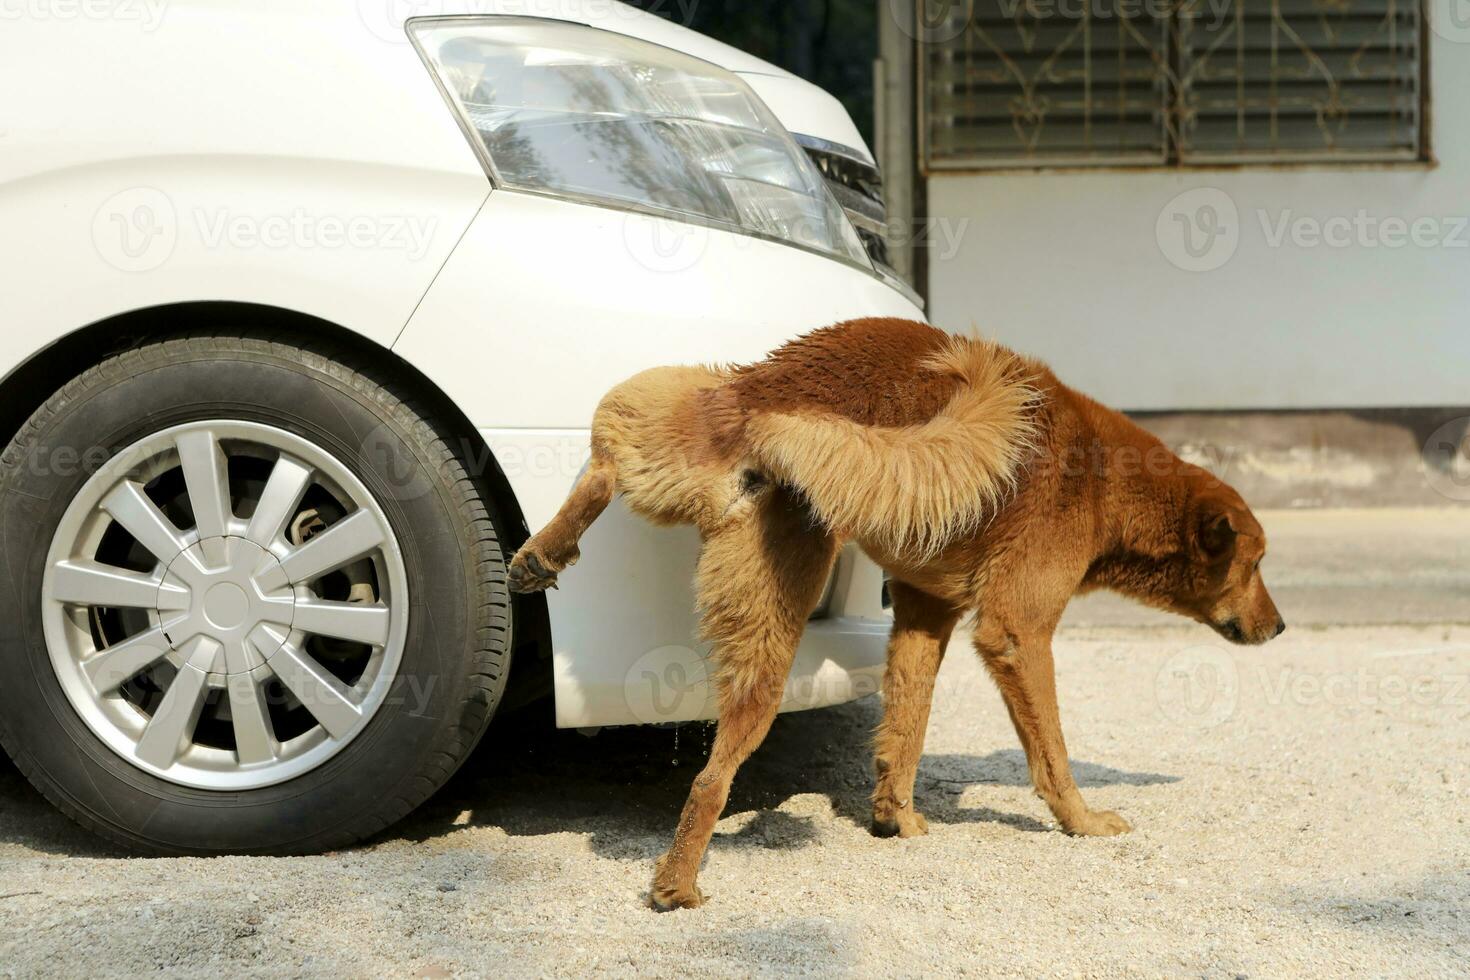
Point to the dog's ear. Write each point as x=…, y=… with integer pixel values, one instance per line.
x=1215, y=532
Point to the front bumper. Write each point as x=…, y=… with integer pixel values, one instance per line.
x=625, y=632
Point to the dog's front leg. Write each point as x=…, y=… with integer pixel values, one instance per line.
x=1021, y=664
x=921, y=628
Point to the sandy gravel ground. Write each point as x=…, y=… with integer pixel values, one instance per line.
x=1300, y=810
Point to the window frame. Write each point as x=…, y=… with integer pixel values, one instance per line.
x=1173, y=162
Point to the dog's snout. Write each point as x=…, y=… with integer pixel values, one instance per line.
x=1232, y=631
x=1280, y=627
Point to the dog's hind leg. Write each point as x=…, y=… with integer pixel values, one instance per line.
x=759, y=579
x=921, y=628
x=541, y=559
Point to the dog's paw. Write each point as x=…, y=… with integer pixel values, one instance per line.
x=529, y=572
x=665, y=898
x=904, y=823
x=1098, y=823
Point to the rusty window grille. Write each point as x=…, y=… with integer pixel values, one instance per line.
x=1033, y=83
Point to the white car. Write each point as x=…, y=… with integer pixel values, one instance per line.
x=305, y=312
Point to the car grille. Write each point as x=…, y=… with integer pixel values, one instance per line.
x=858, y=187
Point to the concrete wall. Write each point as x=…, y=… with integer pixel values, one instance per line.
x=1091, y=271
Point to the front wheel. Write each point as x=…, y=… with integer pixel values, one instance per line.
x=254, y=603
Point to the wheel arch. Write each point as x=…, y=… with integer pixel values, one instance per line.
x=27, y=387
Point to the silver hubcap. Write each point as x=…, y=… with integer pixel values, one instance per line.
x=225, y=605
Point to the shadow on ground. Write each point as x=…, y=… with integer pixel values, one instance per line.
x=1429, y=907
x=27, y=820
x=624, y=787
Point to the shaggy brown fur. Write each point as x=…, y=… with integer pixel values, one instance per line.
x=874, y=372
x=975, y=478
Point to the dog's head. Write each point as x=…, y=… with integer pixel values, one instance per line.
x=1224, y=545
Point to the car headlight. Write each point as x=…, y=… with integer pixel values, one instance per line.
x=582, y=113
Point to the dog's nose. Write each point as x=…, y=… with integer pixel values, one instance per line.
x=1280, y=627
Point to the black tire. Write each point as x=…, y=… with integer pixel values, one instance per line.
x=454, y=666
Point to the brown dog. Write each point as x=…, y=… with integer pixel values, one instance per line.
x=973, y=476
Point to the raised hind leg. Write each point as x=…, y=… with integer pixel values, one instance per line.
x=759, y=579
x=551, y=550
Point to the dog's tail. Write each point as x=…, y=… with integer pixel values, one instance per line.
x=912, y=489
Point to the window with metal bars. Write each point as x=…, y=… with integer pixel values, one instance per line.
x=1017, y=83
